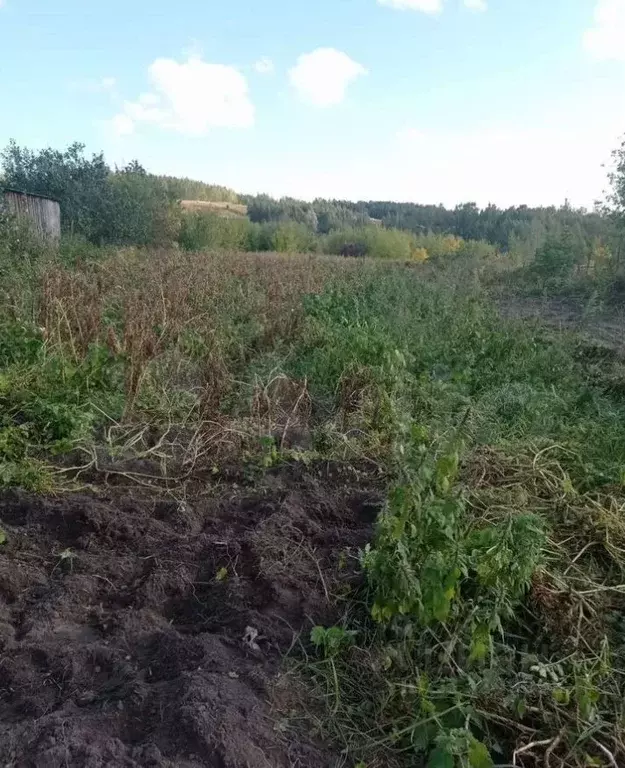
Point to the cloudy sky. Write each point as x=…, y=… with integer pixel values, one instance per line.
x=505, y=101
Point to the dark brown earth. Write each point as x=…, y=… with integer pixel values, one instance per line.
x=123, y=643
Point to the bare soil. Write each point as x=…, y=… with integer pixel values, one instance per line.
x=142, y=631
x=604, y=326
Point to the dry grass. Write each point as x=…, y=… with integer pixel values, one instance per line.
x=227, y=210
x=186, y=326
x=141, y=305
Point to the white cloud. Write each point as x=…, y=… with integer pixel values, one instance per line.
x=476, y=5
x=427, y=6
x=122, y=125
x=264, y=66
x=605, y=40
x=146, y=110
x=322, y=77
x=190, y=98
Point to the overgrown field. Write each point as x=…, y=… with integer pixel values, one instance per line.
x=482, y=622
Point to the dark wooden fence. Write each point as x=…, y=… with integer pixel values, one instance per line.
x=43, y=213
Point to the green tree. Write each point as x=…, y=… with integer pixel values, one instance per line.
x=79, y=183
x=615, y=207
x=138, y=209
x=557, y=257
x=188, y=189
x=332, y=215
x=263, y=209
x=291, y=237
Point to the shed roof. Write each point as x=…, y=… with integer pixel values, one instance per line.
x=28, y=194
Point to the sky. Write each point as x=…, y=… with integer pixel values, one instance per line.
x=433, y=101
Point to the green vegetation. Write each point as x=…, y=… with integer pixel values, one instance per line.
x=517, y=232
x=487, y=626
x=482, y=589
x=121, y=206
x=490, y=613
x=129, y=206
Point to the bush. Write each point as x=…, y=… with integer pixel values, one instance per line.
x=209, y=231
x=127, y=206
x=137, y=210
x=556, y=258
x=78, y=182
x=76, y=249
x=373, y=241
x=260, y=237
x=291, y=237
x=439, y=246
x=200, y=231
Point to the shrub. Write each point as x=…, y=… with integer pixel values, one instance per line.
x=76, y=249
x=209, y=231
x=78, y=182
x=374, y=241
x=137, y=211
x=260, y=237
x=439, y=246
x=556, y=258
x=291, y=237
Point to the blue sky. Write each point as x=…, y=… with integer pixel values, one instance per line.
x=505, y=101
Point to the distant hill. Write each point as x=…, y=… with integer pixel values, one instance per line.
x=189, y=189
x=225, y=209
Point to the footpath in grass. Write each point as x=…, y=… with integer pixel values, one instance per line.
x=486, y=625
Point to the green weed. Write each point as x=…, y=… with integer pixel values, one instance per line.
x=456, y=669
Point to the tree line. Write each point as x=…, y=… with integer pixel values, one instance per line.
x=129, y=206
x=519, y=229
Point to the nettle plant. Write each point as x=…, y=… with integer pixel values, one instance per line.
x=434, y=570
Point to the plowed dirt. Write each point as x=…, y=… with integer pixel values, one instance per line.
x=142, y=631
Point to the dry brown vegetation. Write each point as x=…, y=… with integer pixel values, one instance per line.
x=169, y=316
x=227, y=210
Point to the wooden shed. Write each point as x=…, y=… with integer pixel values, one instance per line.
x=43, y=213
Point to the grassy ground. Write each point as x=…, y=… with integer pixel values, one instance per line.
x=488, y=627
x=234, y=210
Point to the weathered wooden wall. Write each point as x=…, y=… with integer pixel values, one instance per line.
x=43, y=213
